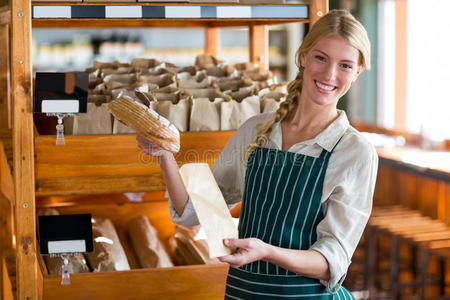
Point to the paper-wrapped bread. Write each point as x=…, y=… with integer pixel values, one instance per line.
x=147, y=122
x=108, y=254
x=149, y=249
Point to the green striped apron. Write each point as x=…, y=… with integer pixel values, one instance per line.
x=281, y=206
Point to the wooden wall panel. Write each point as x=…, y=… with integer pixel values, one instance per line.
x=21, y=83
x=5, y=99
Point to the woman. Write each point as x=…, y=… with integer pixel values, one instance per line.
x=307, y=180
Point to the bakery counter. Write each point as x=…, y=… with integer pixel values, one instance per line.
x=415, y=178
x=433, y=164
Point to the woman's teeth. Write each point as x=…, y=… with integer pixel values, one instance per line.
x=325, y=87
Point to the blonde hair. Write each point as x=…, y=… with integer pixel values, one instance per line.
x=336, y=22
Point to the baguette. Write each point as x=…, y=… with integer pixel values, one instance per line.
x=147, y=122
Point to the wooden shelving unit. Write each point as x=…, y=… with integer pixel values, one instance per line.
x=111, y=164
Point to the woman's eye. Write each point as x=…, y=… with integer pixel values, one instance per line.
x=319, y=57
x=347, y=66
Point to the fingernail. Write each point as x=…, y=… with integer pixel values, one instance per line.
x=226, y=242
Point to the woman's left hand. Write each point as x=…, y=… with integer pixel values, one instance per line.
x=249, y=250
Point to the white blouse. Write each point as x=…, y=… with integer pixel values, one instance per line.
x=347, y=190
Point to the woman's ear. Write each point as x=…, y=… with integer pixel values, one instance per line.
x=302, y=59
x=358, y=71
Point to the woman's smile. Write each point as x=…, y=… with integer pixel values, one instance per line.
x=325, y=88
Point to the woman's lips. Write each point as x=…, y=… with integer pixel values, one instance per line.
x=325, y=87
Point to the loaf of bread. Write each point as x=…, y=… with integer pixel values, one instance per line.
x=77, y=264
x=108, y=253
x=150, y=251
x=147, y=122
x=192, y=252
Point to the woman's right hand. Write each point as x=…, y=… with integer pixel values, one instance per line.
x=149, y=147
x=169, y=167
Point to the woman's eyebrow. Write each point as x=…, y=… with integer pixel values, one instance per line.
x=344, y=60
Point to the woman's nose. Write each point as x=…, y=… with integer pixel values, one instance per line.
x=330, y=72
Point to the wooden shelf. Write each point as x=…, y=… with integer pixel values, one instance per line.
x=164, y=15
x=108, y=23
x=106, y=164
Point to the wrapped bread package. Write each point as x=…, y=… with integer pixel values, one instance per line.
x=210, y=206
x=77, y=264
x=108, y=254
x=192, y=251
x=149, y=249
x=147, y=122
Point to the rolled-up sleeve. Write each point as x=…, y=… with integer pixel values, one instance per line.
x=348, y=207
x=189, y=216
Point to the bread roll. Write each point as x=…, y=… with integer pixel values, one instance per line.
x=108, y=253
x=147, y=122
x=150, y=251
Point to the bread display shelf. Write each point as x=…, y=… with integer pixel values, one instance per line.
x=102, y=164
x=180, y=282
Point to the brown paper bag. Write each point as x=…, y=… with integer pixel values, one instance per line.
x=97, y=120
x=205, y=114
x=242, y=93
x=129, y=79
x=183, y=71
x=193, y=83
x=99, y=89
x=246, y=66
x=232, y=84
x=99, y=99
x=204, y=61
x=103, y=65
x=271, y=101
x=163, y=80
x=210, y=206
x=224, y=71
x=93, y=80
x=150, y=251
x=233, y=113
x=210, y=93
x=177, y=112
x=108, y=253
x=121, y=70
x=144, y=63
